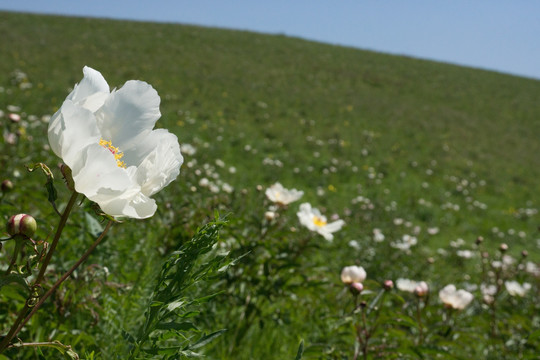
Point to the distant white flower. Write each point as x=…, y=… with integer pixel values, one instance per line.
x=455, y=299
x=107, y=140
x=353, y=274
x=433, y=230
x=488, y=293
x=314, y=221
x=278, y=194
x=406, y=285
x=466, y=254
x=516, y=289
x=378, y=236
x=188, y=149
x=406, y=242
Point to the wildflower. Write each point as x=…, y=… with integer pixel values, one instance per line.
x=314, y=221
x=488, y=293
x=353, y=274
x=278, y=194
x=419, y=288
x=455, y=299
x=188, y=149
x=378, y=236
x=516, y=289
x=107, y=139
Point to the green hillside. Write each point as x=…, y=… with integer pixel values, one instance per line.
x=437, y=145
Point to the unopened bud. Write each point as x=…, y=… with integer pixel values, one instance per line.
x=14, y=117
x=356, y=288
x=7, y=186
x=503, y=247
x=479, y=240
x=421, y=289
x=388, y=284
x=524, y=253
x=21, y=224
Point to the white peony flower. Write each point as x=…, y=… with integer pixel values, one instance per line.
x=353, y=274
x=278, y=194
x=107, y=140
x=516, y=289
x=314, y=221
x=406, y=285
x=455, y=299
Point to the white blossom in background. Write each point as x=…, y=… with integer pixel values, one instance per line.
x=279, y=195
x=455, y=299
x=353, y=274
x=107, y=140
x=406, y=285
x=188, y=149
x=406, y=242
x=315, y=221
x=378, y=236
x=488, y=293
x=516, y=289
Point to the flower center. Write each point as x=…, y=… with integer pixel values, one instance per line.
x=115, y=151
x=318, y=221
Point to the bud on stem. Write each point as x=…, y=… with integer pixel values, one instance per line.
x=21, y=224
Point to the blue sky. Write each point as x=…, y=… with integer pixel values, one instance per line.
x=491, y=34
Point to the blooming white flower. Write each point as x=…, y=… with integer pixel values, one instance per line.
x=406, y=285
x=188, y=149
x=516, y=289
x=455, y=299
x=314, y=221
x=278, y=194
x=107, y=140
x=353, y=274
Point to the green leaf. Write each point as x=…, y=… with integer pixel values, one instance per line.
x=92, y=225
x=205, y=339
x=14, y=278
x=182, y=326
x=300, y=351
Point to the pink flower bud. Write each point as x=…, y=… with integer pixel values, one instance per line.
x=21, y=224
x=7, y=186
x=356, y=288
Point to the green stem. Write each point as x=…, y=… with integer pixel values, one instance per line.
x=66, y=275
x=28, y=305
x=18, y=246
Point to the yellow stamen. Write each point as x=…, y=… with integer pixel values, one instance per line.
x=318, y=221
x=115, y=151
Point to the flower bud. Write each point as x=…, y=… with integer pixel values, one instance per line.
x=479, y=240
x=503, y=247
x=524, y=253
x=356, y=288
x=388, y=284
x=21, y=224
x=14, y=117
x=421, y=289
x=7, y=186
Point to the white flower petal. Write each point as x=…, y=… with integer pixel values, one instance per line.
x=97, y=169
x=72, y=128
x=92, y=83
x=129, y=114
x=162, y=165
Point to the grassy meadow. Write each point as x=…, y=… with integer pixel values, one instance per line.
x=432, y=155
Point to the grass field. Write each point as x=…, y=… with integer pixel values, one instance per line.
x=417, y=148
